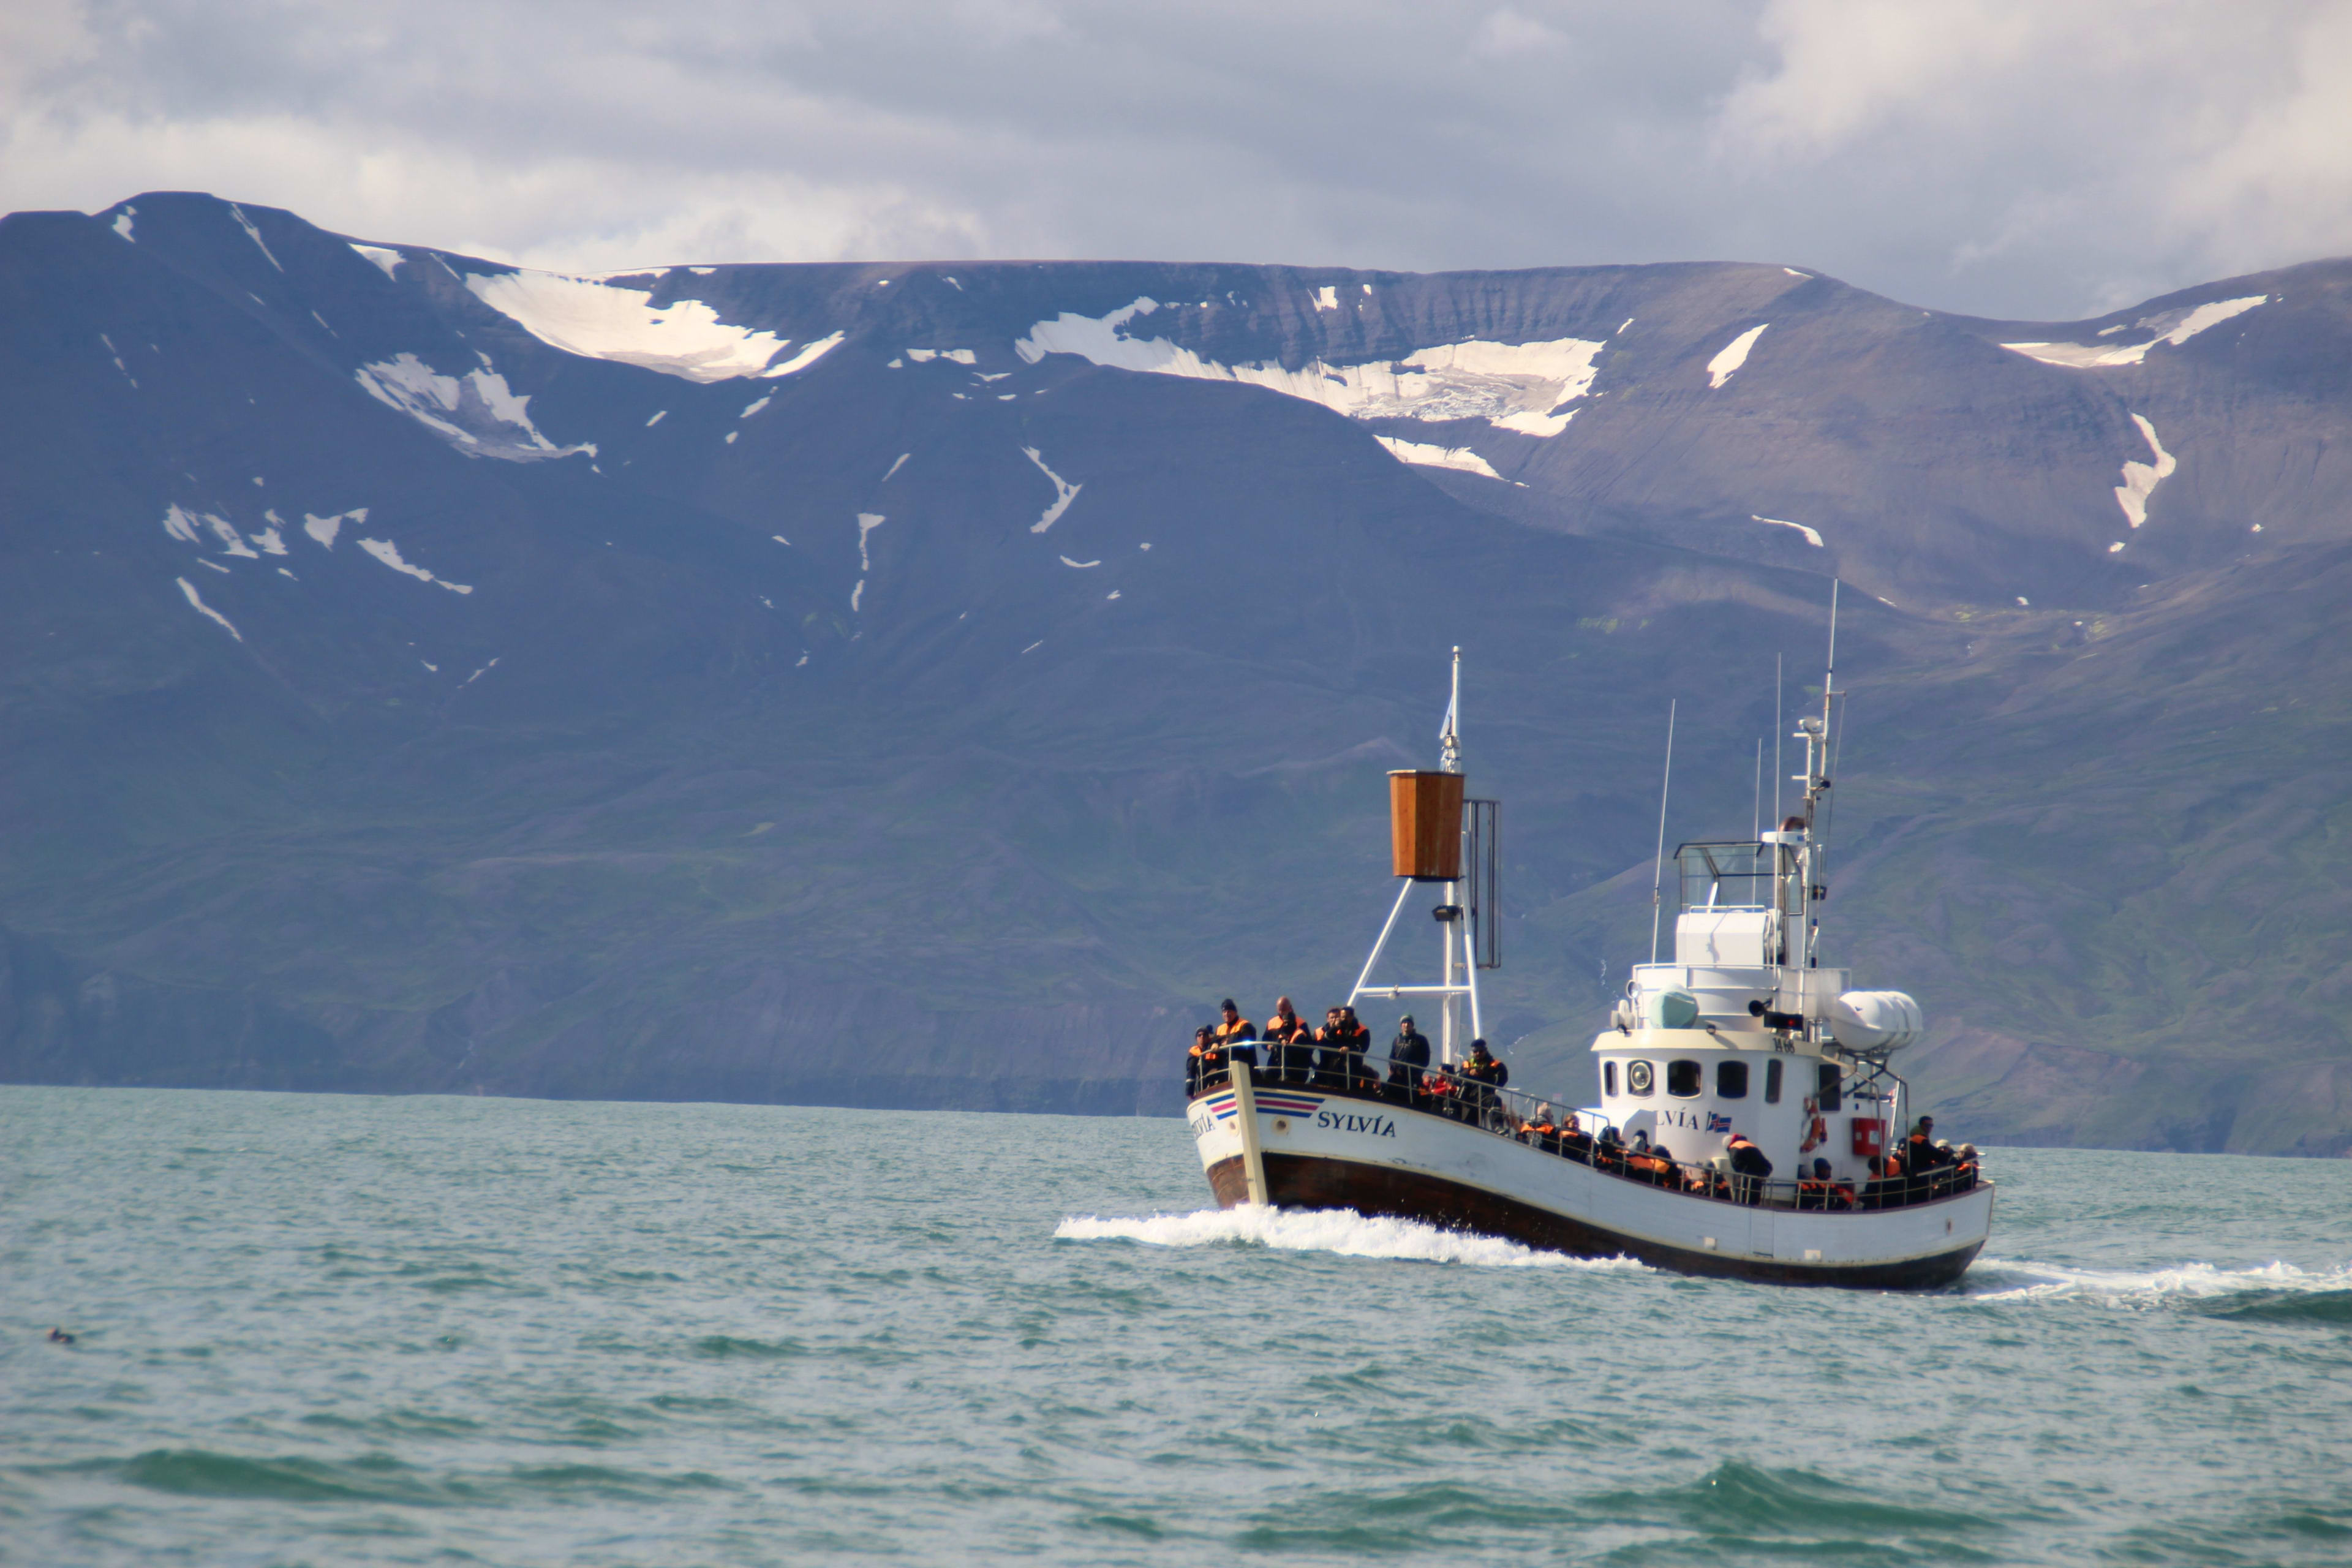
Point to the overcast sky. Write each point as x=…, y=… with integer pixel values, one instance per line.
x=2034, y=158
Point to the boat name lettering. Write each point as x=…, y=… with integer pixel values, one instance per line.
x=1348, y=1121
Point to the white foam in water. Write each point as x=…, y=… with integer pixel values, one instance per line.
x=2000, y=1280
x=1342, y=1231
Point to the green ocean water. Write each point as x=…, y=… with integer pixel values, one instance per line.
x=324, y=1330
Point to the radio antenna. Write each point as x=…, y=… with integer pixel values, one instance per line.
x=1658, y=871
x=1778, y=684
x=1755, y=811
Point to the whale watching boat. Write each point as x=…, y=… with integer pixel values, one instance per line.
x=1745, y=1051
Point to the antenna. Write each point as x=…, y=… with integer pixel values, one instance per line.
x=1449, y=744
x=1755, y=812
x=1778, y=684
x=1658, y=872
x=1829, y=677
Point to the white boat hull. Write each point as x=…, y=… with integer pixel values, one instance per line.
x=1317, y=1150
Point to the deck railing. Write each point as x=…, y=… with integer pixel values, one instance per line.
x=1515, y=1114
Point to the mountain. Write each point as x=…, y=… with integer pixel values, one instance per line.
x=937, y=684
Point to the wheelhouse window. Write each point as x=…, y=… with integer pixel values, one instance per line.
x=1833, y=1095
x=1731, y=1080
x=1772, y=1081
x=1640, y=1077
x=1609, y=1078
x=1685, y=1080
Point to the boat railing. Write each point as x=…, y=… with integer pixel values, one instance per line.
x=1582, y=1138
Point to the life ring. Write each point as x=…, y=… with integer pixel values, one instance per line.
x=1817, y=1131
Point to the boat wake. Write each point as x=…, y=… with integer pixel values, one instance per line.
x=2272, y=1290
x=1340, y=1231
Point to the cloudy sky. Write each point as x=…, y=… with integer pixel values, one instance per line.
x=2036, y=158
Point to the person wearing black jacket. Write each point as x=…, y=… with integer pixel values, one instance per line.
x=1408, y=1056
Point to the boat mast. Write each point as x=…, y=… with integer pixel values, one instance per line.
x=1449, y=760
x=1814, y=859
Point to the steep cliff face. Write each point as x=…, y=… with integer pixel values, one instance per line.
x=935, y=684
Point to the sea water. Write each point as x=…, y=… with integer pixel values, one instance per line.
x=324, y=1330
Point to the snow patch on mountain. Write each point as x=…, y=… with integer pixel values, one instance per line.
x=896, y=467
x=868, y=521
x=1514, y=386
x=1064, y=492
x=1327, y=298
x=121, y=223
x=325, y=529
x=602, y=321
x=385, y=551
x=2140, y=479
x=253, y=233
x=206, y=610
x=1081, y=565
x=1461, y=458
x=805, y=358
x=2171, y=328
x=755, y=406
x=1734, y=354
x=477, y=413
x=232, y=542
x=1812, y=535
x=960, y=356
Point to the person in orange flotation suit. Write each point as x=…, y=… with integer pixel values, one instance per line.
x=1204, y=1061
x=1344, y=1041
x=1884, y=1188
x=1749, y=1168
x=1235, y=1033
x=1287, y=1057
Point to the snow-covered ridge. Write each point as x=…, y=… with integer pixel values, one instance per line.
x=2170, y=327
x=1513, y=386
x=602, y=321
x=477, y=413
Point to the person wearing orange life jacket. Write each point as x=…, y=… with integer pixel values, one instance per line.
x=1204, y=1061
x=1884, y=1188
x=1477, y=1079
x=1288, y=1055
x=1540, y=1131
x=1285, y=1024
x=1344, y=1041
x=1235, y=1033
x=1749, y=1168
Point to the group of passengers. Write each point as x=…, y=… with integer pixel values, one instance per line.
x=1333, y=1058
x=1920, y=1169
x=1926, y=1170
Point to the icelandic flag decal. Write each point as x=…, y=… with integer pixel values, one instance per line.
x=1718, y=1122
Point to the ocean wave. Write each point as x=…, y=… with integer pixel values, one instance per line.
x=1341, y=1231
x=1999, y=1278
